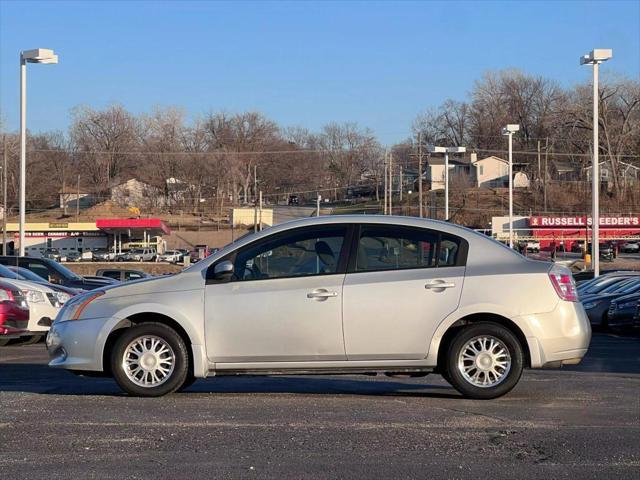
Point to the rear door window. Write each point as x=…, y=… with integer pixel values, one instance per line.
x=385, y=247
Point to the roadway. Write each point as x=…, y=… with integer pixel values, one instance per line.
x=581, y=422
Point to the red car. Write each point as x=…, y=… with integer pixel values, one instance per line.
x=14, y=312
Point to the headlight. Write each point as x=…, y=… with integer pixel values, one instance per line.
x=628, y=304
x=74, y=307
x=33, y=296
x=63, y=297
x=590, y=305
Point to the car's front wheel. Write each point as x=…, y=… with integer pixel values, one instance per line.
x=484, y=361
x=150, y=360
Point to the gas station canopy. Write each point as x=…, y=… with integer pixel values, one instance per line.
x=152, y=226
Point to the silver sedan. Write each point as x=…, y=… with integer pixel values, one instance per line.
x=333, y=294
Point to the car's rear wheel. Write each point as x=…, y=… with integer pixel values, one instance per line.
x=484, y=361
x=150, y=360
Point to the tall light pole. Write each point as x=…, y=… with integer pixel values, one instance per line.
x=446, y=151
x=595, y=58
x=38, y=55
x=509, y=130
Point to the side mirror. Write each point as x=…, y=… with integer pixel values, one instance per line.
x=223, y=270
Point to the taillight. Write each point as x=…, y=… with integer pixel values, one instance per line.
x=564, y=285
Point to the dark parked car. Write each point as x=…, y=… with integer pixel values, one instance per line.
x=588, y=274
x=123, y=275
x=52, y=254
x=24, y=274
x=622, y=310
x=53, y=272
x=597, y=306
x=597, y=285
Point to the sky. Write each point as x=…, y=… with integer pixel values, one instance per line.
x=304, y=64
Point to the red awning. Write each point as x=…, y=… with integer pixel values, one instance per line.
x=153, y=226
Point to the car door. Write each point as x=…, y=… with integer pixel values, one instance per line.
x=284, y=300
x=401, y=283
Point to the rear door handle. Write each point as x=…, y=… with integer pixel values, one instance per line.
x=439, y=285
x=321, y=294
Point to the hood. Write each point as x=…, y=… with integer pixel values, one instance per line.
x=182, y=281
x=28, y=285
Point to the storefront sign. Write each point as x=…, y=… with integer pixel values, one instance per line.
x=583, y=222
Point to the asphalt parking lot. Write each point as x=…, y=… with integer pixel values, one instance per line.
x=582, y=422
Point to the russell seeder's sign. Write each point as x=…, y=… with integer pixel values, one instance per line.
x=583, y=222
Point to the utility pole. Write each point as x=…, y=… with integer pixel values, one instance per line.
x=420, y=172
x=260, y=210
x=390, y=183
x=255, y=182
x=4, y=196
x=78, y=200
x=64, y=197
x=318, y=198
x=546, y=157
x=539, y=172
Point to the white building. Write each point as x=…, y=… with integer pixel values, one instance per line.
x=491, y=172
x=136, y=193
x=434, y=173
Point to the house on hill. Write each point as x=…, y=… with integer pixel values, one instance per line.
x=491, y=172
x=434, y=173
x=70, y=197
x=136, y=193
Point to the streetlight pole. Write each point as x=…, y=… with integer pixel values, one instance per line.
x=595, y=58
x=446, y=185
x=420, y=173
x=38, y=55
x=509, y=130
x=446, y=151
x=23, y=150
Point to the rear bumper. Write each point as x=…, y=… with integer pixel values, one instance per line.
x=559, y=337
x=13, y=320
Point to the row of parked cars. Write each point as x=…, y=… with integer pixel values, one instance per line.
x=612, y=300
x=33, y=290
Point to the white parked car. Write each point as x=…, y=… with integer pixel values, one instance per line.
x=44, y=304
x=171, y=256
x=630, y=247
x=343, y=294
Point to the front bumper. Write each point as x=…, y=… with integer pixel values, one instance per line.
x=621, y=317
x=77, y=344
x=559, y=337
x=40, y=317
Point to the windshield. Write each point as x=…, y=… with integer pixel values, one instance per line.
x=618, y=286
x=632, y=287
x=64, y=271
x=27, y=274
x=6, y=273
x=598, y=286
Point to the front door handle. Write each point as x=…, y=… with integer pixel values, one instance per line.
x=321, y=294
x=439, y=285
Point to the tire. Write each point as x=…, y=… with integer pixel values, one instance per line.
x=30, y=340
x=142, y=338
x=188, y=381
x=4, y=341
x=499, y=379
